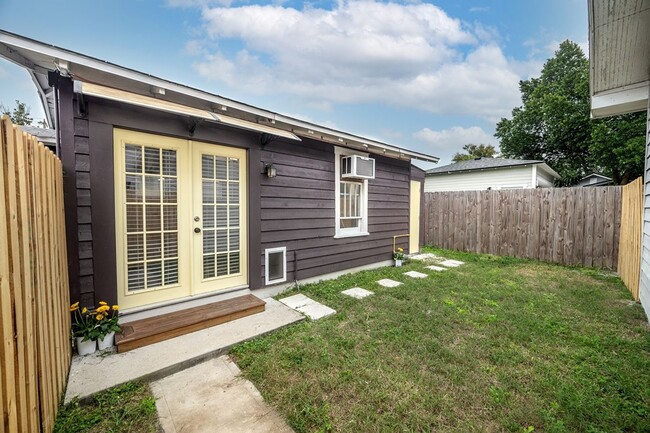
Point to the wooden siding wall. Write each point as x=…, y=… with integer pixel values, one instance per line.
x=629, y=256
x=570, y=226
x=297, y=210
x=84, y=211
x=34, y=317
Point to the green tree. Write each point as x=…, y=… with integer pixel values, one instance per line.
x=618, y=146
x=20, y=114
x=475, y=151
x=553, y=124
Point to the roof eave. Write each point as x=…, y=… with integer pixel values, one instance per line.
x=628, y=99
x=299, y=127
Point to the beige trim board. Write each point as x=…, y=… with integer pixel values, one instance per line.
x=414, y=216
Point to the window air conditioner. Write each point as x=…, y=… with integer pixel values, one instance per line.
x=355, y=166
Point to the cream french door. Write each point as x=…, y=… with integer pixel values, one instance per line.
x=219, y=216
x=180, y=213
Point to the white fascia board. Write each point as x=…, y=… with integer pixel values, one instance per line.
x=544, y=166
x=620, y=101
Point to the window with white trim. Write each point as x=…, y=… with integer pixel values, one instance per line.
x=351, y=200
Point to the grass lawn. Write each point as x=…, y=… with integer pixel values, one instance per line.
x=128, y=408
x=498, y=344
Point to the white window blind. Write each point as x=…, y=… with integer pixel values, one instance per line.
x=221, y=225
x=151, y=217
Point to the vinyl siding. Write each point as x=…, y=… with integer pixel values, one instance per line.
x=513, y=177
x=544, y=180
x=644, y=289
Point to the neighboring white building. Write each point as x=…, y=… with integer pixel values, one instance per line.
x=490, y=173
x=619, y=57
x=594, y=179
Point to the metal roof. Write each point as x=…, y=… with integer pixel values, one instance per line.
x=39, y=58
x=619, y=56
x=488, y=164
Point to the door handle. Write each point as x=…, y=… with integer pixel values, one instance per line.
x=197, y=230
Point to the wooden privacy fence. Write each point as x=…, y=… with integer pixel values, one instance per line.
x=34, y=303
x=571, y=226
x=629, y=255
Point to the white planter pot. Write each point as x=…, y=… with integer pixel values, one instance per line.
x=86, y=347
x=107, y=341
x=398, y=263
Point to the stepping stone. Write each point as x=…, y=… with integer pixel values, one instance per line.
x=388, y=283
x=357, y=292
x=452, y=263
x=436, y=268
x=415, y=274
x=424, y=256
x=307, y=306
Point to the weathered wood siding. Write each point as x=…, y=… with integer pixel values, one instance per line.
x=297, y=210
x=571, y=226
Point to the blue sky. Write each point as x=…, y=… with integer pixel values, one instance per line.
x=429, y=76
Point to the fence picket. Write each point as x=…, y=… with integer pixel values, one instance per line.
x=34, y=319
x=572, y=226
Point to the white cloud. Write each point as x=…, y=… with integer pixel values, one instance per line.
x=446, y=142
x=412, y=55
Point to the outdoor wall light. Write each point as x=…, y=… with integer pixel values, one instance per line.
x=270, y=170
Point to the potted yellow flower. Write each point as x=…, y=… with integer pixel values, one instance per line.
x=84, y=329
x=107, y=325
x=398, y=256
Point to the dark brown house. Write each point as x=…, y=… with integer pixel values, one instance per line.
x=175, y=194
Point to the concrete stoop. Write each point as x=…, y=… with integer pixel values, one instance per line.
x=94, y=373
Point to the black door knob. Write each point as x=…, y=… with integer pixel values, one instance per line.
x=197, y=230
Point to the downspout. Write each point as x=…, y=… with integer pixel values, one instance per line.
x=53, y=82
x=57, y=146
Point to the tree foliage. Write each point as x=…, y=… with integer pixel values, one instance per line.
x=475, y=151
x=554, y=124
x=20, y=115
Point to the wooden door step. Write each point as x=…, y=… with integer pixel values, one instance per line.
x=154, y=329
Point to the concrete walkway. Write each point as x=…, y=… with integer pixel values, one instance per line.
x=92, y=374
x=213, y=397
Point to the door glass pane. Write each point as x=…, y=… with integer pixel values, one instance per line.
x=221, y=232
x=152, y=227
x=171, y=272
x=209, y=270
x=151, y=160
x=135, y=277
x=133, y=159
x=154, y=274
x=222, y=170
x=169, y=162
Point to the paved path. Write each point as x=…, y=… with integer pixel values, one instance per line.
x=94, y=373
x=212, y=397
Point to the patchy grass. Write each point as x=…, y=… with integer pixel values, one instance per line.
x=498, y=344
x=128, y=408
